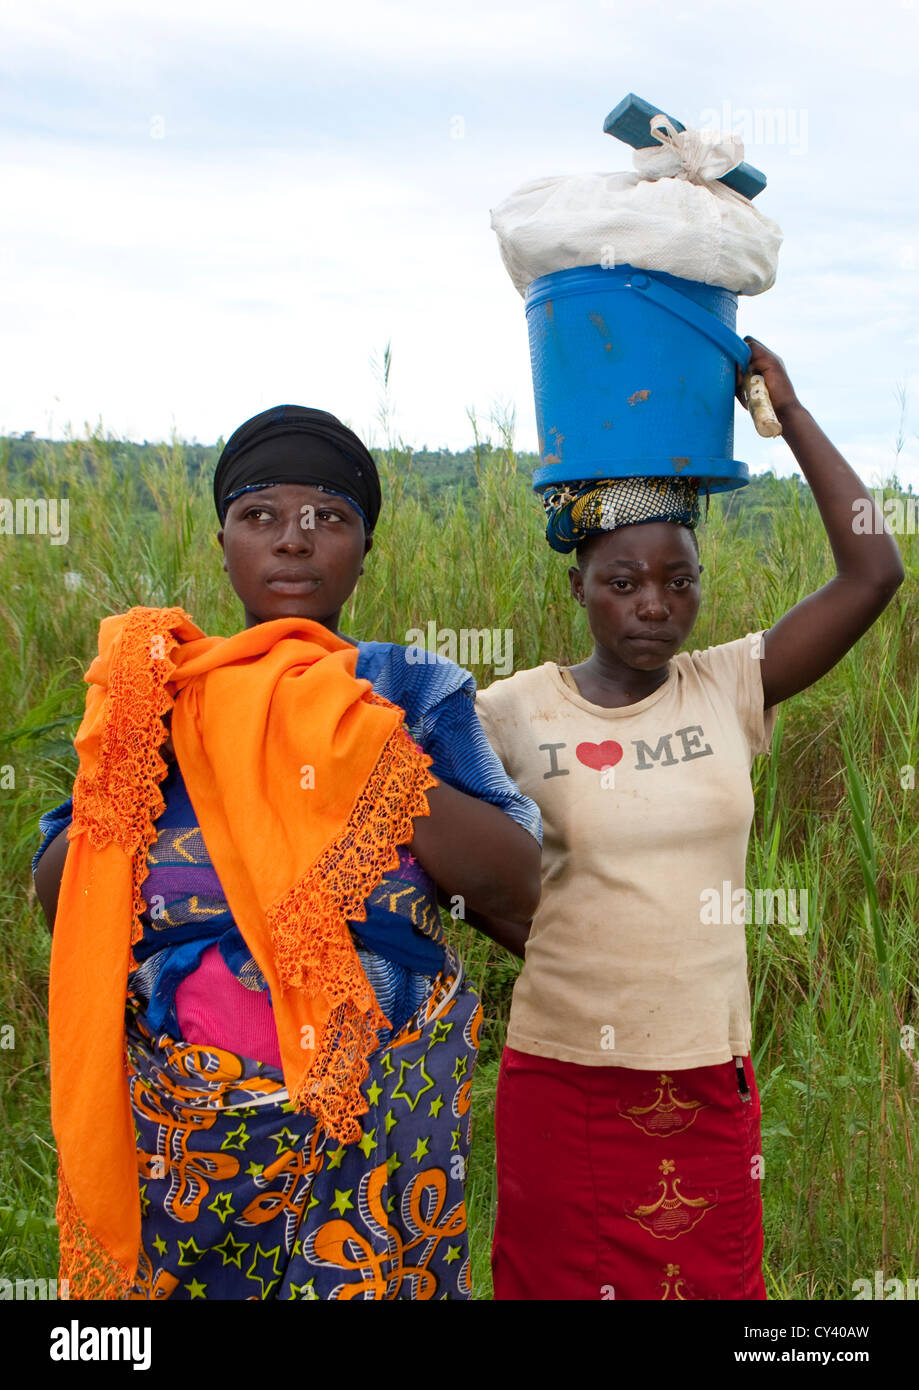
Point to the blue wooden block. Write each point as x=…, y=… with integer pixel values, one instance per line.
x=629, y=122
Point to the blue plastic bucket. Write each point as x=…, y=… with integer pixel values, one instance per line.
x=633, y=373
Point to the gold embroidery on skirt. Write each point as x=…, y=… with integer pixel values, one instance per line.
x=673, y=1212
x=666, y=1112
x=679, y=1289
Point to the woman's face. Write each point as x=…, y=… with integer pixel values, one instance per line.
x=293, y=551
x=640, y=588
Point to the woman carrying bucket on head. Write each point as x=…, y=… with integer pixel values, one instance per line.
x=627, y=1119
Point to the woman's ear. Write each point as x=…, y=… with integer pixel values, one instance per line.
x=576, y=580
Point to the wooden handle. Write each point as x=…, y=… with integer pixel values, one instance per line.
x=760, y=406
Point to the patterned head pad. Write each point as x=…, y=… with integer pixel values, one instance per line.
x=577, y=510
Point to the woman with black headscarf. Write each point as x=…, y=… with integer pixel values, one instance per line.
x=252, y=1000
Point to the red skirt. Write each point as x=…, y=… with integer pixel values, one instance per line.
x=624, y=1184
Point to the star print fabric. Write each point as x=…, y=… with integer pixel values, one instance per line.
x=243, y=1198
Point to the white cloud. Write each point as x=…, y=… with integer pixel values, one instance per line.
x=307, y=202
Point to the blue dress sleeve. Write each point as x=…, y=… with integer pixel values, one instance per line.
x=50, y=826
x=438, y=698
x=464, y=759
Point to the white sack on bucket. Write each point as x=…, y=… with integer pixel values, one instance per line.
x=670, y=215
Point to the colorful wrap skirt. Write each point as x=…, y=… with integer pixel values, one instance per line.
x=622, y=1184
x=243, y=1198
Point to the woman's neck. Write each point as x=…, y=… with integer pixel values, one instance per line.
x=610, y=684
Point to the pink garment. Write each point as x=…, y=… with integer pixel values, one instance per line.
x=214, y=1009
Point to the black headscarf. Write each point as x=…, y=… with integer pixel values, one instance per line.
x=297, y=444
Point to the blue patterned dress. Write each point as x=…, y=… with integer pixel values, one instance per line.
x=241, y=1197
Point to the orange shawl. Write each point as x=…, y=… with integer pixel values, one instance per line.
x=304, y=783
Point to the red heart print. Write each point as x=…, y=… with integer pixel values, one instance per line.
x=599, y=755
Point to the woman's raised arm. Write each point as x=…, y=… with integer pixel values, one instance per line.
x=815, y=634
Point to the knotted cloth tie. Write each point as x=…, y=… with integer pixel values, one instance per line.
x=689, y=154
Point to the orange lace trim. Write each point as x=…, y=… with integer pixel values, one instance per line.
x=88, y=1267
x=119, y=801
x=312, y=945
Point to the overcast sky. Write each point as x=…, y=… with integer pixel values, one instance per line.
x=211, y=208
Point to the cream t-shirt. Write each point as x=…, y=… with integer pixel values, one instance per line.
x=646, y=815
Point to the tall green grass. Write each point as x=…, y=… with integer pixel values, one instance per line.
x=832, y=1006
